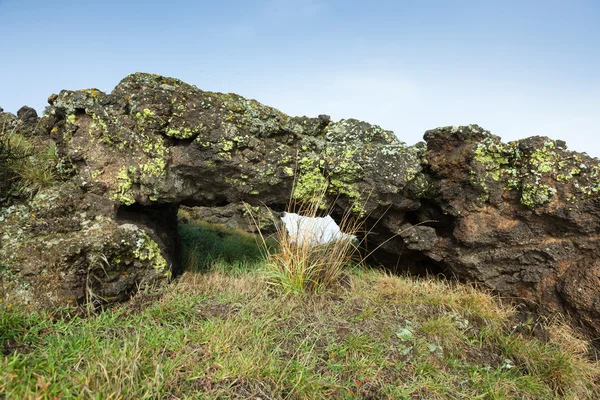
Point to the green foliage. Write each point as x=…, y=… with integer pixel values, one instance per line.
x=301, y=263
x=205, y=244
x=9, y=155
x=26, y=165
x=219, y=335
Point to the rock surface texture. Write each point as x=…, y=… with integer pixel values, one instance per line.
x=520, y=218
x=236, y=216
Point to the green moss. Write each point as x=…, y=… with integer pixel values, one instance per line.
x=352, y=192
x=148, y=250
x=72, y=118
x=288, y=171
x=124, y=194
x=226, y=145
x=241, y=140
x=310, y=182
x=99, y=122
x=184, y=133
x=422, y=185
x=203, y=143
x=492, y=156
x=348, y=154
x=518, y=170
x=154, y=147
x=344, y=174
x=344, y=185
x=535, y=195
x=147, y=113
x=107, y=130
x=568, y=175
x=544, y=160
x=96, y=173
x=153, y=168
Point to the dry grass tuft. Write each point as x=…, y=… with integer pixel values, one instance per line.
x=565, y=336
x=27, y=165
x=304, y=262
x=215, y=283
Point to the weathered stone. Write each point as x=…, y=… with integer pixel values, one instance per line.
x=28, y=115
x=236, y=216
x=7, y=121
x=523, y=218
x=65, y=247
x=519, y=217
x=156, y=142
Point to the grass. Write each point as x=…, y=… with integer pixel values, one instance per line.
x=206, y=246
x=27, y=165
x=223, y=334
x=304, y=261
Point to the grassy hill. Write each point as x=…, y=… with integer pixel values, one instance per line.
x=223, y=331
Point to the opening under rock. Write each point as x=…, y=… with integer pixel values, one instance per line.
x=160, y=223
x=324, y=229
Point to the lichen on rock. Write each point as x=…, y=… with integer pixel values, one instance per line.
x=518, y=217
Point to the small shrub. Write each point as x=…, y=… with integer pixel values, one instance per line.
x=9, y=155
x=302, y=262
x=25, y=165
x=39, y=169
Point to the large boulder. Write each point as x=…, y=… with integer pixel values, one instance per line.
x=64, y=247
x=28, y=115
x=159, y=140
x=520, y=218
x=156, y=143
x=523, y=218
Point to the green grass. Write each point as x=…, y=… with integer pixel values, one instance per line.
x=216, y=335
x=224, y=334
x=206, y=246
x=27, y=164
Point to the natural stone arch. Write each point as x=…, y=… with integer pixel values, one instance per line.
x=157, y=140
x=520, y=218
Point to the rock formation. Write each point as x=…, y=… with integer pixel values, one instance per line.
x=520, y=218
x=28, y=115
x=236, y=216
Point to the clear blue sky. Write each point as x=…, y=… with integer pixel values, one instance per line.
x=517, y=68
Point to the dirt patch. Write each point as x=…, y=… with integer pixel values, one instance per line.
x=141, y=301
x=238, y=388
x=218, y=310
x=11, y=346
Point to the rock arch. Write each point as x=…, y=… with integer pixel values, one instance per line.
x=520, y=218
